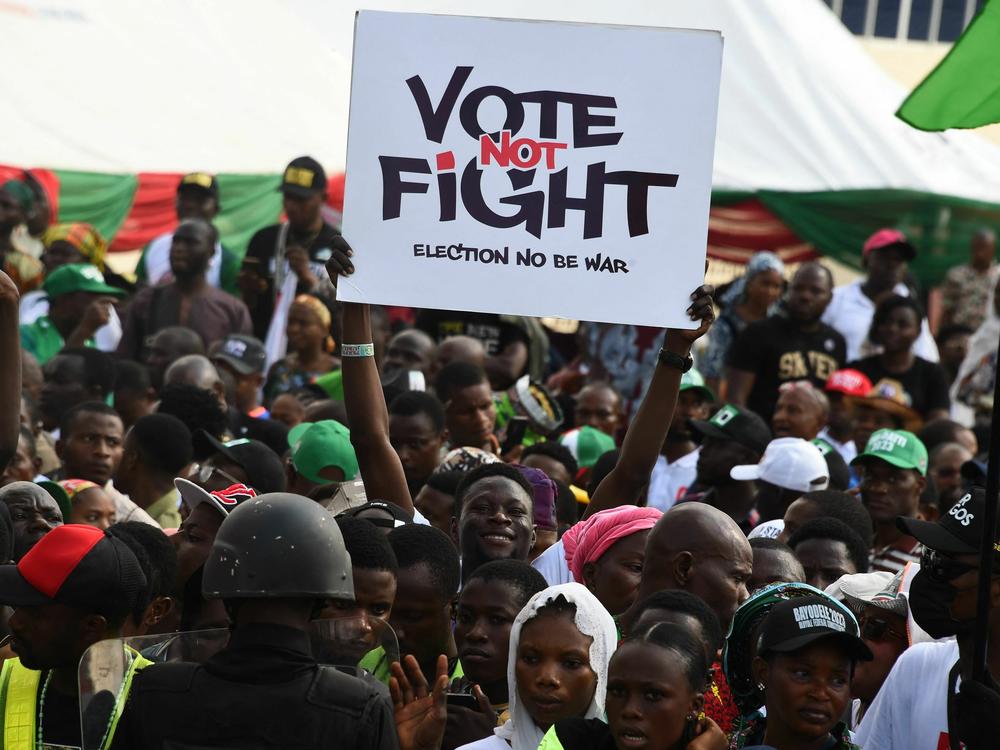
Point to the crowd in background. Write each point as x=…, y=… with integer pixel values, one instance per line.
x=760, y=532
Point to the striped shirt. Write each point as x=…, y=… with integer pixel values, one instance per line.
x=893, y=557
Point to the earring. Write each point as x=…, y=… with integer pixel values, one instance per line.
x=761, y=687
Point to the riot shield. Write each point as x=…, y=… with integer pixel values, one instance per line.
x=355, y=645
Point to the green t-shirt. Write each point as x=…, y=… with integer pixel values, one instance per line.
x=42, y=340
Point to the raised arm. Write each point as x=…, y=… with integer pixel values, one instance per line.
x=380, y=466
x=648, y=430
x=10, y=373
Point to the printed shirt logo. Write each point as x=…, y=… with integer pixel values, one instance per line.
x=819, y=616
x=235, y=347
x=200, y=178
x=886, y=441
x=299, y=176
x=725, y=415
x=234, y=495
x=960, y=513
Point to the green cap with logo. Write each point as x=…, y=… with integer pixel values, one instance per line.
x=897, y=448
x=693, y=380
x=78, y=277
x=320, y=445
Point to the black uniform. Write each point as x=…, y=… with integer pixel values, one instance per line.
x=262, y=692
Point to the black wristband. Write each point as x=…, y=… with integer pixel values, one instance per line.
x=672, y=359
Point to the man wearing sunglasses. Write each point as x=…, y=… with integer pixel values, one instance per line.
x=929, y=701
x=882, y=612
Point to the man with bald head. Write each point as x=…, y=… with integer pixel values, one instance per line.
x=33, y=512
x=411, y=349
x=167, y=346
x=700, y=549
x=802, y=411
x=458, y=349
x=189, y=300
x=787, y=347
x=599, y=405
x=197, y=370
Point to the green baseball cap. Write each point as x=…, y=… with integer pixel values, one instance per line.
x=78, y=277
x=587, y=444
x=693, y=380
x=898, y=448
x=319, y=445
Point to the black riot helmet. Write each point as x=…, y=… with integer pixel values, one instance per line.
x=278, y=545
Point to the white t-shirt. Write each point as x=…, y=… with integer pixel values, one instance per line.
x=850, y=312
x=486, y=743
x=553, y=566
x=157, y=262
x=669, y=481
x=848, y=451
x=910, y=712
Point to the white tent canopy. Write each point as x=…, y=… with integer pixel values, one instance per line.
x=174, y=85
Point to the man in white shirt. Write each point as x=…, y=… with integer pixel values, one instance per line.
x=911, y=711
x=677, y=466
x=197, y=198
x=886, y=254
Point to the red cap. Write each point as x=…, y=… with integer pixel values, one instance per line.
x=73, y=564
x=849, y=382
x=886, y=238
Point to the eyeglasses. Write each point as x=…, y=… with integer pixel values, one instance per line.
x=942, y=568
x=876, y=629
x=204, y=472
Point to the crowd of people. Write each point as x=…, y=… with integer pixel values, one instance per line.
x=238, y=513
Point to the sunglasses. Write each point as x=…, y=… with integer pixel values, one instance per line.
x=877, y=629
x=204, y=472
x=942, y=568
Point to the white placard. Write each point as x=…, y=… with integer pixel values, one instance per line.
x=530, y=168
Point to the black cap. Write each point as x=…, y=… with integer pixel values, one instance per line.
x=74, y=564
x=974, y=472
x=398, y=516
x=264, y=470
x=245, y=354
x=957, y=532
x=840, y=472
x=738, y=425
x=796, y=623
x=200, y=181
x=303, y=177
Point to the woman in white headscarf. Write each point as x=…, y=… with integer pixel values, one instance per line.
x=972, y=391
x=560, y=646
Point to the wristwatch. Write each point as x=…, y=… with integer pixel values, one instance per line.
x=672, y=359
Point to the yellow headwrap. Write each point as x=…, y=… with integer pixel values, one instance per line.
x=321, y=310
x=83, y=237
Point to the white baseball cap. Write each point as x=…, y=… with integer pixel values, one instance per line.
x=789, y=463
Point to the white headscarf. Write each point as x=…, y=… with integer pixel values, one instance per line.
x=591, y=619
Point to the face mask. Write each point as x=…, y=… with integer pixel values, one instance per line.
x=929, y=603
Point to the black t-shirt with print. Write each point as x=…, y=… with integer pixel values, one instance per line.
x=926, y=383
x=494, y=333
x=777, y=351
x=260, y=259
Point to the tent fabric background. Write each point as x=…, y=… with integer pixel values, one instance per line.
x=810, y=156
x=131, y=210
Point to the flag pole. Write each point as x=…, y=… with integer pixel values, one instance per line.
x=987, y=545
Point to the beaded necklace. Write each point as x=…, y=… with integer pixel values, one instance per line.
x=40, y=743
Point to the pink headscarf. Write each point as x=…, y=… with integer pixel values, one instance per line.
x=588, y=540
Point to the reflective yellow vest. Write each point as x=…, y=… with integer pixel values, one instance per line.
x=19, y=696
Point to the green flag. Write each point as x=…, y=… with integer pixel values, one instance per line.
x=963, y=91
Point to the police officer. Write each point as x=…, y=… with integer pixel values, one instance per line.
x=275, y=562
